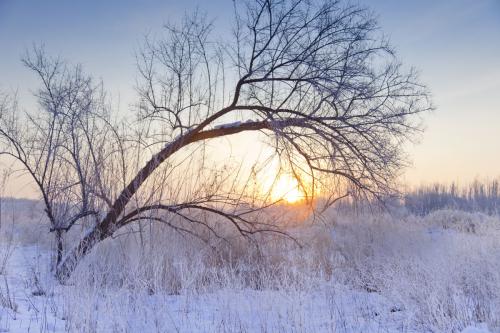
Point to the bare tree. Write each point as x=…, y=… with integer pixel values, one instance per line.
x=61, y=145
x=315, y=77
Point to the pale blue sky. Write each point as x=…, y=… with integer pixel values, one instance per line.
x=454, y=43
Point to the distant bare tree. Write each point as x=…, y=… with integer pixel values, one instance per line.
x=315, y=77
x=480, y=195
x=61, y=145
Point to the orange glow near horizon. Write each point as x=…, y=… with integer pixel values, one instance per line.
x=287, y=188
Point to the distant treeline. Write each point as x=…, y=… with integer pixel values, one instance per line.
x=479, y=196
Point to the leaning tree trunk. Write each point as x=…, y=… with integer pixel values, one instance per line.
x=108, y=224
x=59, y=247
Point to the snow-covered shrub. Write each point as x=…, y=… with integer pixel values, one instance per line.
x=444, y=280
x=366, y=272
x=463, y=221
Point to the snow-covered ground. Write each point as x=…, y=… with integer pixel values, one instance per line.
x=368, y=273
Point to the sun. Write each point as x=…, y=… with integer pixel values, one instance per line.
x=287, y=188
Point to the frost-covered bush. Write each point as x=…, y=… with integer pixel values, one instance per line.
x=436, y=273
x=444, y=280
x=367, y=272
x=476, y=223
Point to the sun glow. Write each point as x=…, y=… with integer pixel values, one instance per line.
x=287, y=188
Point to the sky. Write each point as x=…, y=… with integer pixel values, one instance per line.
x=455, y=44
